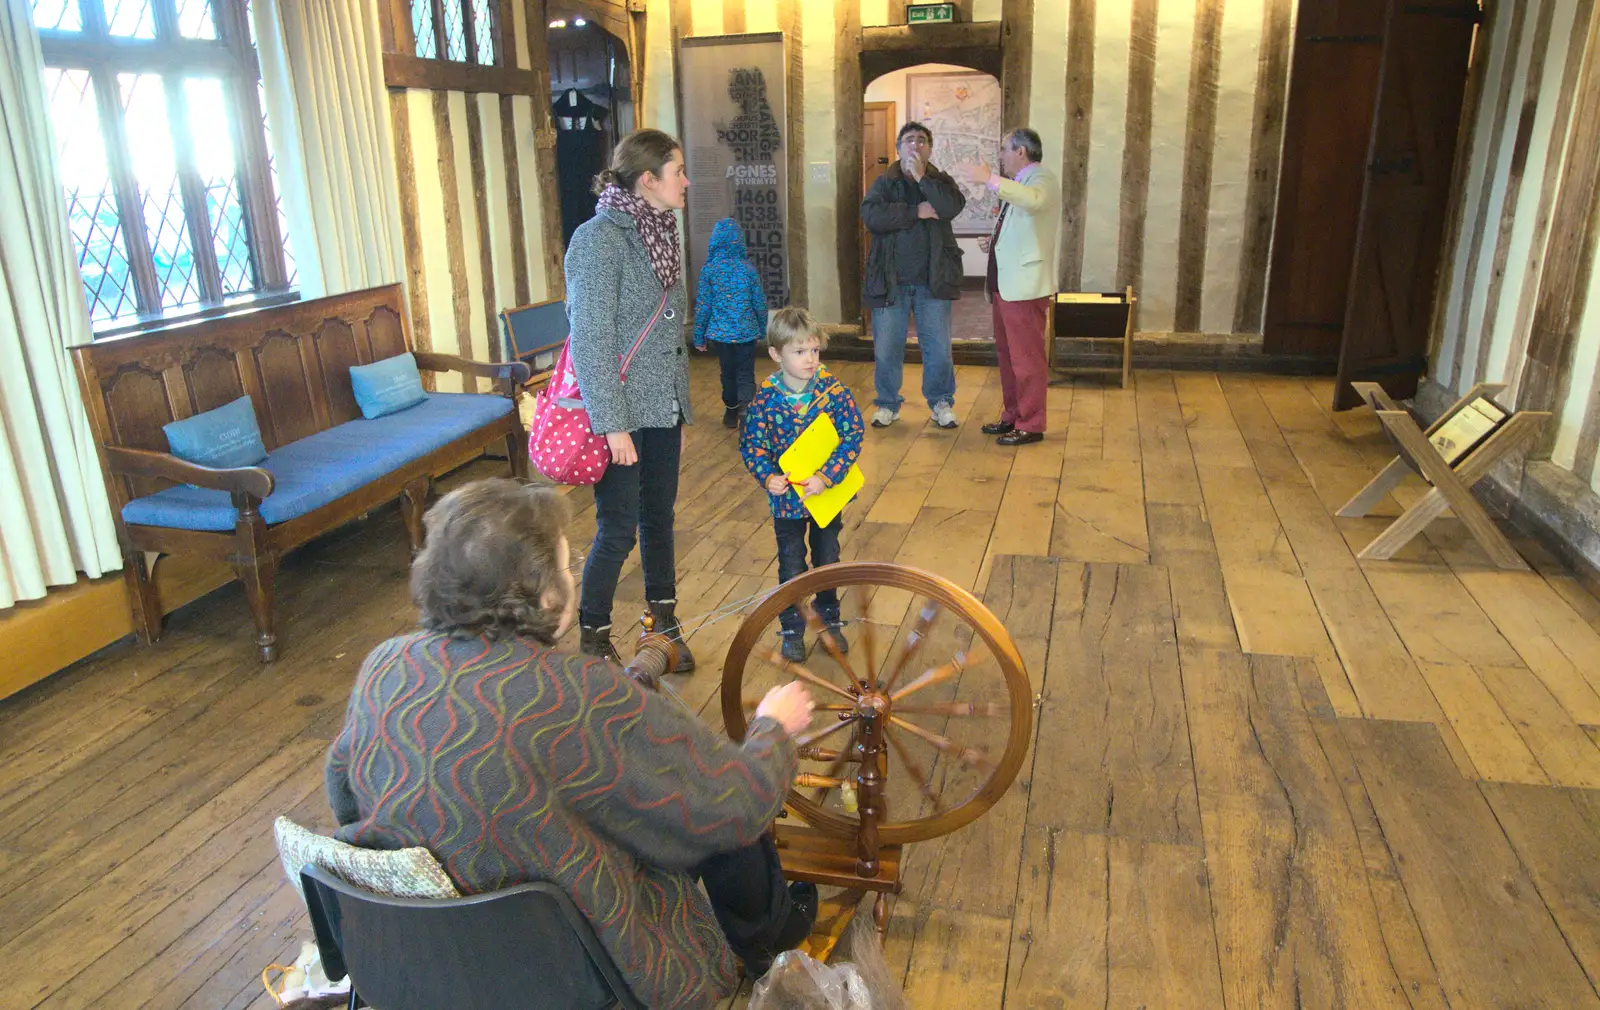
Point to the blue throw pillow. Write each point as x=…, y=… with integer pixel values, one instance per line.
x=386, y=386
x=223, y=438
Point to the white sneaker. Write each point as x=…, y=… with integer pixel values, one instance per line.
x=944, y=417
x=883, y=417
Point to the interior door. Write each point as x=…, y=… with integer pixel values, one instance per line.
x=1333, y=92
x=877, y=150
x=1427, y=46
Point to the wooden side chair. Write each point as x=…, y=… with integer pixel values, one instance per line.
x=1451, y=482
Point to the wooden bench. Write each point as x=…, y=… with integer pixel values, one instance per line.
x=294, y=362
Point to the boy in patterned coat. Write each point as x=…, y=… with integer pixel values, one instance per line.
x=512, y=762
x=785, y=406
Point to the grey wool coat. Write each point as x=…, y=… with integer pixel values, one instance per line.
x=612, y=292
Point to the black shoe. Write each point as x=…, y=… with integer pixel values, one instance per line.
x=802, y=918
x=998, y=428
x=730, y=417
x=665, y=613
x=597, y=642
x=1019, y=437
x=835, y=632
x=794, y=646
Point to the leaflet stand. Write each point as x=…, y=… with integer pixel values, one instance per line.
x=1451, y=484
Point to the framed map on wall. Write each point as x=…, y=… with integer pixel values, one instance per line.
x=963, y=111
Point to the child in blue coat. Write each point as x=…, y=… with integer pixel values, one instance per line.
x=731, y=312
x=785, y=406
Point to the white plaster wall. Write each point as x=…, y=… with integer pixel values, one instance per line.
x=1230, y=162
x=821, y=154
x=1106, y=131
x=1047, y=91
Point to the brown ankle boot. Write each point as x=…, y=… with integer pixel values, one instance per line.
x=597, y=642
x=664, y=611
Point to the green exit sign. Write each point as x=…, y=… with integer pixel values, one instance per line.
x=930, y=14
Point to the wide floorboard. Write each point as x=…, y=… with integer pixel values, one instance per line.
x=1264, y=773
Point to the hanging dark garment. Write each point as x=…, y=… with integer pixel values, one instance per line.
x=580, y=155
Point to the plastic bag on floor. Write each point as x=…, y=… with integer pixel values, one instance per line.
x=800, y=982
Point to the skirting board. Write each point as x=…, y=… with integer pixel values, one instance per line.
x=40, y=637
x=1544, y=501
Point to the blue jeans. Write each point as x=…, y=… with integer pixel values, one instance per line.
x=792, y=562
x=633, y=504
x=889, y=326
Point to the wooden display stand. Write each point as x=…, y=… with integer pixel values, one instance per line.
x=1451, y=483
x=1096, y=319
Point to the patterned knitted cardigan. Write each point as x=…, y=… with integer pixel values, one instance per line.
x=512, y=762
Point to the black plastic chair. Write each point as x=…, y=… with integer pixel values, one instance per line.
x=526, y=946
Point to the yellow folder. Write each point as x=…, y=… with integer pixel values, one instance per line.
x=807, y=455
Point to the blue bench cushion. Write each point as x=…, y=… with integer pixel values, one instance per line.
x=326, y=466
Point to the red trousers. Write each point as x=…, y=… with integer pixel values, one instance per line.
x=1024, y=374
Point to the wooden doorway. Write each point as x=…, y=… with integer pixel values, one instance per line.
x=877, y=151
x=1363, y=193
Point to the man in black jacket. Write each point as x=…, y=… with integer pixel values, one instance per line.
x=914, y=268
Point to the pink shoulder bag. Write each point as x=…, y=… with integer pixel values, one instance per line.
x=561, y=443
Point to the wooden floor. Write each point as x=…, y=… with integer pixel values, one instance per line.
x=1264, y=774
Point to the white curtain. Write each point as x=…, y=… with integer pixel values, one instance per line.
x=55, y=518
x=322, y=68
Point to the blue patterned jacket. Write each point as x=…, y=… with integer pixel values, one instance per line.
x=771, y=426
x=730, y=308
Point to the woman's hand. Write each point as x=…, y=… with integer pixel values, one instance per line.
x=622, y=451
x=790, y=705
x=777, y=484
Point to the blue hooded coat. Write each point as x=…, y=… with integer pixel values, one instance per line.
x=731, y=308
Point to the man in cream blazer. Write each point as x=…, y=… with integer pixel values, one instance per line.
x=1022, y=258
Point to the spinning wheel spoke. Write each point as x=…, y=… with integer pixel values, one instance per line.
x=796, y=670
x=974, y=756
x=980, y=709
x=751, y=704
x=815, y=625
x=914, y=639
x=936, y=675
x=869, y=637
x=820, y=754
x=915, y=768
x=807, y=739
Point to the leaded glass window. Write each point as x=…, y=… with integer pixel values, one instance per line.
x=163, y=154
x=463, y=31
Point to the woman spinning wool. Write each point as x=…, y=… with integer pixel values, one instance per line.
x=512, y=762
x=625, y=276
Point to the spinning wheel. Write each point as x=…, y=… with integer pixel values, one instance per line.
x=933, y=713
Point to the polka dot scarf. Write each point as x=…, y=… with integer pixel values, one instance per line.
x=658, y=228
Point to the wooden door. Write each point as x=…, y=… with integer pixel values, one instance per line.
x=1422, y=84
x=877, y=151
x=1333, y=90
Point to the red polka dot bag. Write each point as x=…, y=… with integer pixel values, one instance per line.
x=561, y=443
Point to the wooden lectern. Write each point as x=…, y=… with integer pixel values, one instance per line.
x=1425, y=453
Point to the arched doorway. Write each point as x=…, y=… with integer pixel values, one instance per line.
x=591, y=105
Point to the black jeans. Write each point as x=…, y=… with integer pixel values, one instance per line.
x=792, y=561
x=738, y=372
x=752, y=903
x=633, y=502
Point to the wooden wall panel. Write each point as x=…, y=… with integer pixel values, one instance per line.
x=1205, y=61
x=1075, y=146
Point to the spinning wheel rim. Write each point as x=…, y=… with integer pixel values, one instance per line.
x=969, y=608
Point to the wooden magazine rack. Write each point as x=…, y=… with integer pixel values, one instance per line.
x=1104, y=322
x=1451, y=482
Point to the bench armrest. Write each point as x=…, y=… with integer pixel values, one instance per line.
x=513, y=372
x=251, y=480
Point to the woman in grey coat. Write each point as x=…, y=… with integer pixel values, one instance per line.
x=624, y=278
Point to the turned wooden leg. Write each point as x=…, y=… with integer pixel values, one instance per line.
x=414, y=502
x=258, y=578
x=138, y=576
x=517, y=453
x=256, y=565
x=880, y=915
